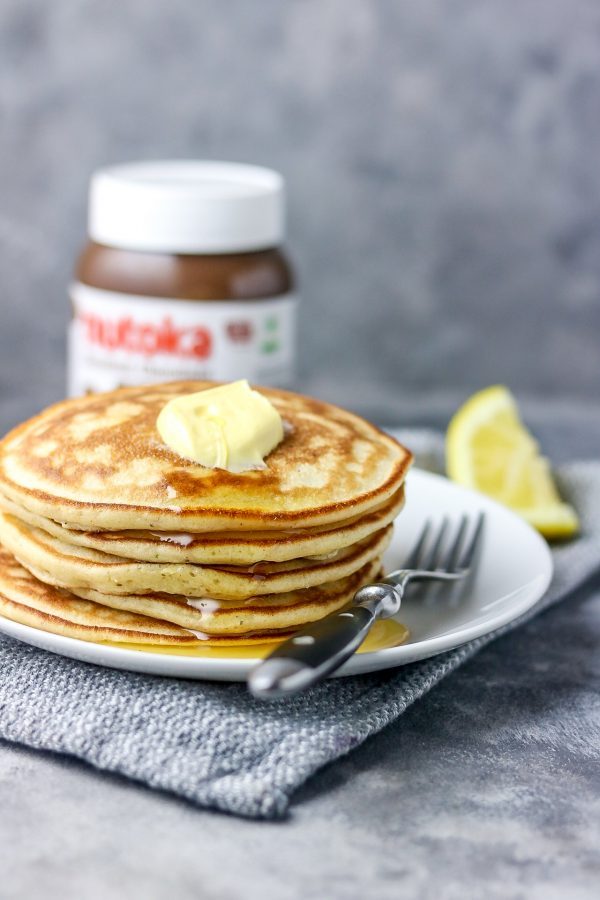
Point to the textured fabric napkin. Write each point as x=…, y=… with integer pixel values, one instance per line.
x=215, y=745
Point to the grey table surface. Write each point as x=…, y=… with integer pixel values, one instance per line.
x=488, y=787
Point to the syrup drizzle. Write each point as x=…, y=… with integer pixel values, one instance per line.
x=384, y=634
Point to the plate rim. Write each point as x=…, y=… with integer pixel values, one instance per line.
x=232, y=669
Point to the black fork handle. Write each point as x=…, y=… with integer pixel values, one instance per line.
x=311, y=654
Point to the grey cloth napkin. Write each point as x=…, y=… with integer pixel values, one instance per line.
x=212, y=743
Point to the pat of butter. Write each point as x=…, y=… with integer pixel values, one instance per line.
x=230, y=427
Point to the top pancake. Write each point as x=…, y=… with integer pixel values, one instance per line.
x=98, y=462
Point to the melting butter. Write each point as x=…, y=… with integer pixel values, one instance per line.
x=204, y=604
x=229, y=427
x=171, y=537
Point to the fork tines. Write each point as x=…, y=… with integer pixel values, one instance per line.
x=447, y=548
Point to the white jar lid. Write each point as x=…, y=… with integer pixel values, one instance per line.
x=187, y=206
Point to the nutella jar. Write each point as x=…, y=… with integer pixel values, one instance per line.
x=183, y=277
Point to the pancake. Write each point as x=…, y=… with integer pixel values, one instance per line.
x=29, y=601
x=231, y=548
x=111, y=536
x=71, y=566
x=97, y=463
x=25, y=599
x=260, y=614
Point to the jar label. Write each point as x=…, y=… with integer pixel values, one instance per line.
x=119, y=339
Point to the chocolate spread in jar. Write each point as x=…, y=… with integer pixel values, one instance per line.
x=183, y=277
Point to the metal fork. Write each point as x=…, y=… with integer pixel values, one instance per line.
x=323, y=646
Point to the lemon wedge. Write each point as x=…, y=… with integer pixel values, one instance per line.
x=488, y=448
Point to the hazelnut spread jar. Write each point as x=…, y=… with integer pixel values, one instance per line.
x=182, y=278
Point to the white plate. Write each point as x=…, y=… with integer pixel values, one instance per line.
x=514, y=572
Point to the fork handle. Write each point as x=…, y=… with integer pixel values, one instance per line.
x=312, y=653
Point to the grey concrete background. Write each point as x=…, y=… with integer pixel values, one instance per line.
x=441, y=157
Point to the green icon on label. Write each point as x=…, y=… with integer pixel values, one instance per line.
x=270, y=343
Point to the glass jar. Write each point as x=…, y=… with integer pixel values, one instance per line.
x=183, y=277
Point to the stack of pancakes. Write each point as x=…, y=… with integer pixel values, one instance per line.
x=108, y=535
